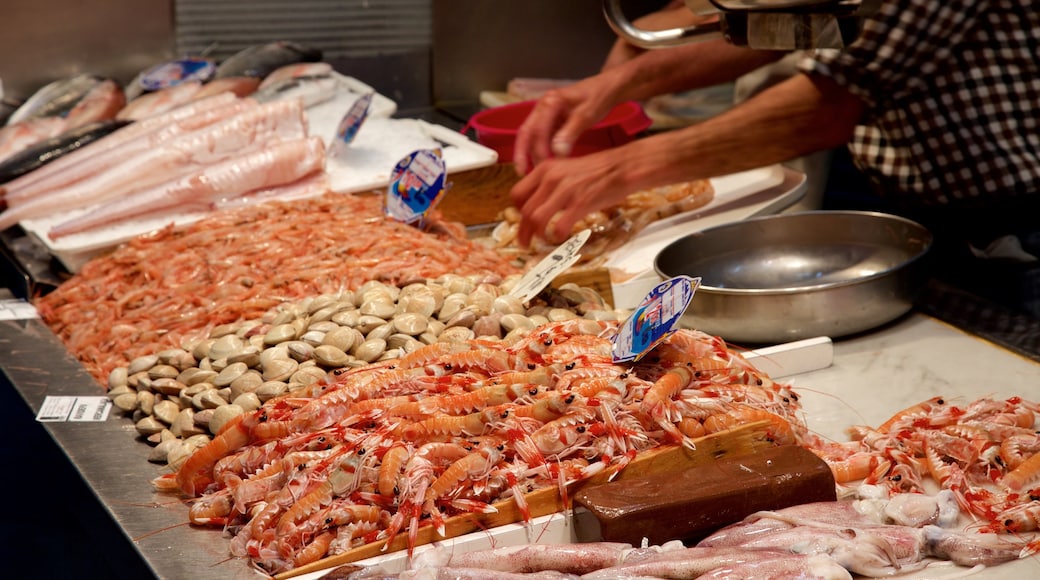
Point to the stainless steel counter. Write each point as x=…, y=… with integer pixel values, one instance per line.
x=873, y=376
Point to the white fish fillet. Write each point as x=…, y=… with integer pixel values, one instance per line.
x=60, y=173
x=310, y=186
x=282, y=163
x=254, y=127
x=151, y=104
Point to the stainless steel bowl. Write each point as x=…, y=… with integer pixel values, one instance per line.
x=792, y=276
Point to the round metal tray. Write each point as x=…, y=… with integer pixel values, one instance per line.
x=793, y=276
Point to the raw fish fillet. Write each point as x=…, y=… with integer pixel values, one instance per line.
x=255, y=127
x=151, y=104
x=278, y=164
x=66, y=170
x=311, y=186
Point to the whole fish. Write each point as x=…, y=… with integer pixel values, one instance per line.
x=299, y=69
x=239, y=86
x=255, y=127
x=263, y=59
x=278, y=164
x=55, y=99
x=48, y=150
x=311, y=89
x=88, y=161
x=20, y=136
x=100, y=103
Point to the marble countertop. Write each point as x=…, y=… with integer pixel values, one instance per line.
x=917, y=357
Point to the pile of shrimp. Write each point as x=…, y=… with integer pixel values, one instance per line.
x=452, y=428
x=162, y=290
x=987, y=453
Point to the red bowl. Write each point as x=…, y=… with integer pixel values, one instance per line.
x=496, y=128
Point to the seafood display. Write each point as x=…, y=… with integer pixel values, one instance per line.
x=324, y=384
x=179, y=397
x=376, y=452
x=159, y=291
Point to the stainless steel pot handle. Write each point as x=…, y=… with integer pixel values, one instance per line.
x=624, y=28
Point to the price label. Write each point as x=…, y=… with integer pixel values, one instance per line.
x=175, y=72
x=74, y=409
x=17, y=310
x=654, y=319
x=416, y=185
x=543, y=273
x=351, y=123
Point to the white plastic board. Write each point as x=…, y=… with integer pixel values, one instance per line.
x=367, y=162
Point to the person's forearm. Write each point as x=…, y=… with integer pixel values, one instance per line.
x=799, y=116
x=686, y=67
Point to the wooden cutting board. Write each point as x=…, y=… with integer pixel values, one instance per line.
x=667, y=459
x=478, y=195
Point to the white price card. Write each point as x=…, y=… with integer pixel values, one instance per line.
x=17, y=310
x=74, y=409
x=542, y=274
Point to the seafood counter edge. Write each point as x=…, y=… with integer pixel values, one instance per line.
x=104, y=484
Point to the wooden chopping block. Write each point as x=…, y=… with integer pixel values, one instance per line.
x=670, y=459
x=478, y=195
x=690, y=504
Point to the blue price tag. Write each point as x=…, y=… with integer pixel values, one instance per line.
x=654, y=319
x=416, y=185
x=351, y=122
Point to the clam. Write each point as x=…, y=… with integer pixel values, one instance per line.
x=142, y=364
x=330, y=356
x=370, y=350
x=224, y=346
x=221, y=415
x=279, y=369
x=411, y=323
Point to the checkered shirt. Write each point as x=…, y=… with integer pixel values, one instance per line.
x=952, y=89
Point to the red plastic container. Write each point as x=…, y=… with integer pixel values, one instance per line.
x=496, y=128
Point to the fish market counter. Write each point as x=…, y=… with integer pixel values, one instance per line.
x=872, y=376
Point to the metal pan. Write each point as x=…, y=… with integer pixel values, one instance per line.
x=792, y=276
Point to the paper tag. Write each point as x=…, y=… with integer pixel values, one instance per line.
x=74, y=409
x=543, y=273
x=654, y=319
x=351, y=123
x=17, y=310
x=175, y=72
x=416, y=185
